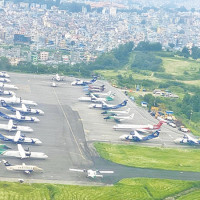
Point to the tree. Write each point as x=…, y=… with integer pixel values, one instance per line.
x=185, y=52
x=195, y=52
x=171, y=45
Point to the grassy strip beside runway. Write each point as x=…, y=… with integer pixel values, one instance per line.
x=151, y=157
x=141, y=189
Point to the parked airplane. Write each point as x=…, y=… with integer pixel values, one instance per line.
x=18, y=138
x=136, y=137
x=116, y=112
x=5, y=80
x=2, y=85
x=16, y=100
x=83, y=83
x=24, y=168
x=58, y=78
x=141, y=128
x=187, y=140
x=5, y=92
x=19, y=117
x=53, y=84
x=12, y=127
x=92, y=89
x=22, y=110
x=98, y=94
x=92, y=98
x=120, y=118
x=21, y=153
x=4, y=74
x=106, y=106
x=92, y=173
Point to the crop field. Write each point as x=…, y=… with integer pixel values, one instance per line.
x=151, y=157
x=140, y=188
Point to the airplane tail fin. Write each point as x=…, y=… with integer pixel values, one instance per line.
x=6, y=163
x=123, y=103
x=153, y=135
x=5, y=105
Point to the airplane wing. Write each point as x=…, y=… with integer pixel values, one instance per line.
x=142, y=130
x=99, y=175
x=17, y=136
x=106, y=172
x=21, y=151
x=77, y=170
x=136, y=134
x=28, y=172
x=10, y=125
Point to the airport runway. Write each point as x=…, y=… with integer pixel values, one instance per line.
x=68, y=130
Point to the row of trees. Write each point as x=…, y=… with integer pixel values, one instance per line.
x=194, y=52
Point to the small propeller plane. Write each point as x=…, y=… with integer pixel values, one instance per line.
x=13, y=127
x=140, y=128
x=136, y=137
x=116, y=112
x=18, y=138
x=79, y=82
x=120, y=118
x=21, y=153
x=7, y=92
x=9, y=86
x=58, y=78
x=17, y=100
x=24, y=168
x=105, y=106
x=187, y=140
x=5, y=80
x=23, y=110
x=19, y=117
x=92, y=173
x=4, y=74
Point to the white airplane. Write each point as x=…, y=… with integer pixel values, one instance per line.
x=187, y=140
x=116, y=112
x=23, y=110
x=24, y=168
x=136, y=137
x=19, y=117
x=92, y=173
x=105, y=106
x=12, y=127
x=17, y=100
x=99, y=94
x=53, y=84
x=21, y=153
x=92, y=98
x=18, y=138
x=58, y=78
x=120, y=118
x=83, y=83
x=7, y=92
x=5, y=80
x=2, y=85
x=4, y=74
x=140, y=128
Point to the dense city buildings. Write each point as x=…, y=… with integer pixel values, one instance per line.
x=72, y=37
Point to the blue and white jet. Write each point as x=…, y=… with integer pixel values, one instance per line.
x=23, y=110
x=187, y=140
x=79, y=82
x=18, y=138
x=105, y=106
x=19, y=117
x=136, y=137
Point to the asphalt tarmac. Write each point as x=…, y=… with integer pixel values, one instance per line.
x=68, y=130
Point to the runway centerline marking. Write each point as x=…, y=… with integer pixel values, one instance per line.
x=69, y=125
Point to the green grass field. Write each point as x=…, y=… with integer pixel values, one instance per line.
x=151, y=157
x=126, y=189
